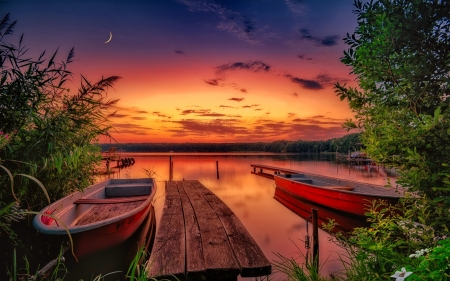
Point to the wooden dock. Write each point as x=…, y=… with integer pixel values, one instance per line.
x=275, y=170
x=200, y=238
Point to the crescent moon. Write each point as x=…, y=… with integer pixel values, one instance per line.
x=110, y=37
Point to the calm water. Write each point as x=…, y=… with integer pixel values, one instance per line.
x=275, y=228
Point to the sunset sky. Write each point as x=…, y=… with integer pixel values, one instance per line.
x=205, y=70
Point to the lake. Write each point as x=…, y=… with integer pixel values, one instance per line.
x=276, y=228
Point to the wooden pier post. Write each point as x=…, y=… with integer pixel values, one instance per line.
x=315, y=239
x=217, y=168
x=170, y=168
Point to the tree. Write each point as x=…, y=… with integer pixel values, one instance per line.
x=400, y=55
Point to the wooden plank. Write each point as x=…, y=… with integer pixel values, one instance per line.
x=218, y=255
x=168, y=253
x=251, y=259
x=195, y=263
x=106, y=211
x=172, y=188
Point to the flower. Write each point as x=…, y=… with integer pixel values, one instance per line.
x=419, y=253
x=401, y=275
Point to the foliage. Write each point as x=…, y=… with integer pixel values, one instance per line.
x=433, y=266
x=54, y=130
x=373, y=253
x=46, y=132
x=400, y=54
x=346, y=143
x=306, y=270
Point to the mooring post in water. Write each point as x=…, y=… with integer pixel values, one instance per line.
x=315, y=239
x=217, y=168
x=170, y=168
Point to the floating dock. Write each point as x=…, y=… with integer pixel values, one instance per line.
x=275, y=170
x=200, y=238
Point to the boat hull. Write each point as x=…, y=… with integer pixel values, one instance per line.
x=101, y=216
x=107, y=236
x=353, y=202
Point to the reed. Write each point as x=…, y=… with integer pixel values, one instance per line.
x=308, y=270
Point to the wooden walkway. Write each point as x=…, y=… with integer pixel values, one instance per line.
x=200, y=238
x=276, y=170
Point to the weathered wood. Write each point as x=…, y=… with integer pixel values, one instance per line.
x=216, y=244
x=251, y=259
x=106, y=211
x=168, y=253
x=217, y=252
x=195, y=264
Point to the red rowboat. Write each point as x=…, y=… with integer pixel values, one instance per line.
x=343, y=195
x=102, y=215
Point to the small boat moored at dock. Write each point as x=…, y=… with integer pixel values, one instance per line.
x=343, y=195
x=339, y=194
x=102, y=215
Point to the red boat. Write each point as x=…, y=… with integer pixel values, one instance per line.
x=343, y=195
x=102, y=215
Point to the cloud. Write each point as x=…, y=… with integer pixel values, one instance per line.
x=129, y=109
x=244, y=90
x=303, y=57
x=327, y=41
x=179, y=52
x=305, y=83
x=236, y=99
x=116, y=115
x=230, y=20
x=294, y=94
x=134, y=129
x=219, y=127
x=320, y=120
x=227, y=106
x=195, y=111
x=250, y=106
x=290, y=114
x=254, y=66
x=159, y=114
x=206, y=113
x=138, y=118
x=296, y=6
x=213, y=82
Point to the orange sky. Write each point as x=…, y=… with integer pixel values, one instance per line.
x=206, y=70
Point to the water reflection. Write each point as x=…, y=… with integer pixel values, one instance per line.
x=253, y=198
x=344, y=222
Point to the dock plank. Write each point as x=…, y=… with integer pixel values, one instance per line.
x=216, y=244
x=168, y=253
x=218, y=254
x=251, y=259
x=194, y=261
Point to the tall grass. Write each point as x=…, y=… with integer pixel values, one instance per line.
x=305, y=270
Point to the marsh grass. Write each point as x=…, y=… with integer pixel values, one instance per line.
x=307, y=270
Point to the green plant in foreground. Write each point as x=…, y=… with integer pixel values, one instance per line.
x=306, y=270
x=430, y=264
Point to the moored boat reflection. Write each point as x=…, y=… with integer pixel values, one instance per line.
x=344, y=222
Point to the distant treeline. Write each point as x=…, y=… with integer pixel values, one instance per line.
x=344, y=144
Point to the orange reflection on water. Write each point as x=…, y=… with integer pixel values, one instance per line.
x=272, y=224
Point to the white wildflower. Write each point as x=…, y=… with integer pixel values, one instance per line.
x=401, y=275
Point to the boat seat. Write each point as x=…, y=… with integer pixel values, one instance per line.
x=304, y=181
x=339, y=187
x=123, y=190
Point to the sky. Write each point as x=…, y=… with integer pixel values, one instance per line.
x=203, y=70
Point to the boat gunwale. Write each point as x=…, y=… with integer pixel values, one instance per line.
x=73, y=229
